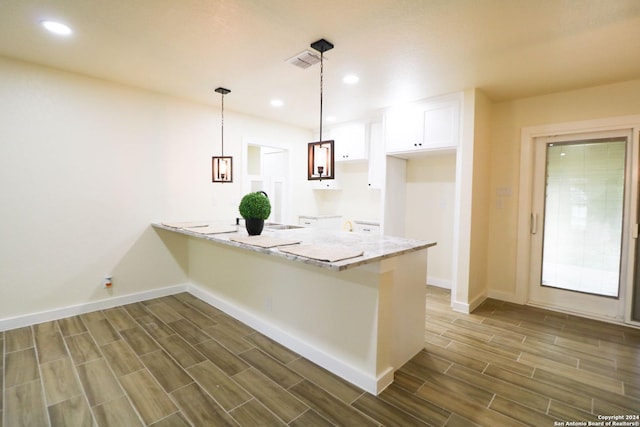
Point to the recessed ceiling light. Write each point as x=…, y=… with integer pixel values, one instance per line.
x=277, y=103
x=351, y=79
x=57, y=28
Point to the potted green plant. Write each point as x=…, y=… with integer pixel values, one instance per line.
x=255, y=208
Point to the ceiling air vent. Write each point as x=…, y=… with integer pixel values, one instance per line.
x=304, y=59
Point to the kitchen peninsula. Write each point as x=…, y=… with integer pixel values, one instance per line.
x=360, y=318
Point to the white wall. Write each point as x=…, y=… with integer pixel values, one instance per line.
x=429, y=212
x=355, y=200
x=86, y=165
x=508, y=119
x=478, y=285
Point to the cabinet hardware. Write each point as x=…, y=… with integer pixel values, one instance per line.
x=534, y=223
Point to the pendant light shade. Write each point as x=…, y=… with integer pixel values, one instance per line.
x=222, y=166
x=320, y=154
x=320, y=160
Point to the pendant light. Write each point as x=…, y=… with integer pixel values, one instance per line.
x=320, y=157
x=222, y=166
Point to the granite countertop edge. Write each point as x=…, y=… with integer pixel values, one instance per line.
x=375, y=248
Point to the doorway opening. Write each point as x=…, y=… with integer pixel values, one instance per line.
x=267, y=169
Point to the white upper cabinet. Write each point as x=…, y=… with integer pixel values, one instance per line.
x=326, y=184
x=349, y=142
x=441, y=125
x=423, y=126
x=403, y=128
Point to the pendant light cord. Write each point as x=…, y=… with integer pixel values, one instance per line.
x=321, y=86
x=222, y=127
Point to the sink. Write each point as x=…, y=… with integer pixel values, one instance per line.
x=278, y=226
x=272, y=225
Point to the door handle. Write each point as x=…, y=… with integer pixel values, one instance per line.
x=534, y=223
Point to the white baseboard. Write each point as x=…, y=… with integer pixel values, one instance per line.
x=372, y=384
x=438, y=282
x=505, y=296
x=460, y=307
x=73, y=310
x=466, y=308
x=475, y=303
x=585, y=314
x=513, y=298
x=344, y=370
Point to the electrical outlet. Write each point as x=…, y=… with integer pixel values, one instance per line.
x=107, y=283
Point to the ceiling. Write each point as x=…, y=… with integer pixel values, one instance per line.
x=402, y=50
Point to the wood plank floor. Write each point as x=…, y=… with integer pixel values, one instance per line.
x=176, y=361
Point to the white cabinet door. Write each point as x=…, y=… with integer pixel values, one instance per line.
x=307, y=222
x=365, y=228
x=424, y=126
x=349, y=142
x=325, y=184
x=441, y=123
x=403, y=128
x=321, y=222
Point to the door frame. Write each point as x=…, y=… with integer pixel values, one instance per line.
x=591, y=304
x=525, y=203
x=285, y=179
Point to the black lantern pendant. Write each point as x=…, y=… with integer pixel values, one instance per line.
x=222, y=166
x=320, y=157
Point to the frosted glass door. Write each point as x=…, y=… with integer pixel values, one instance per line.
x=583, y=214
x=580, y=223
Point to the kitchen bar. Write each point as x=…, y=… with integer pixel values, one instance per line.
x=361, y=318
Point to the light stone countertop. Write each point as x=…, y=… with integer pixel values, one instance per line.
x=375, y=247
